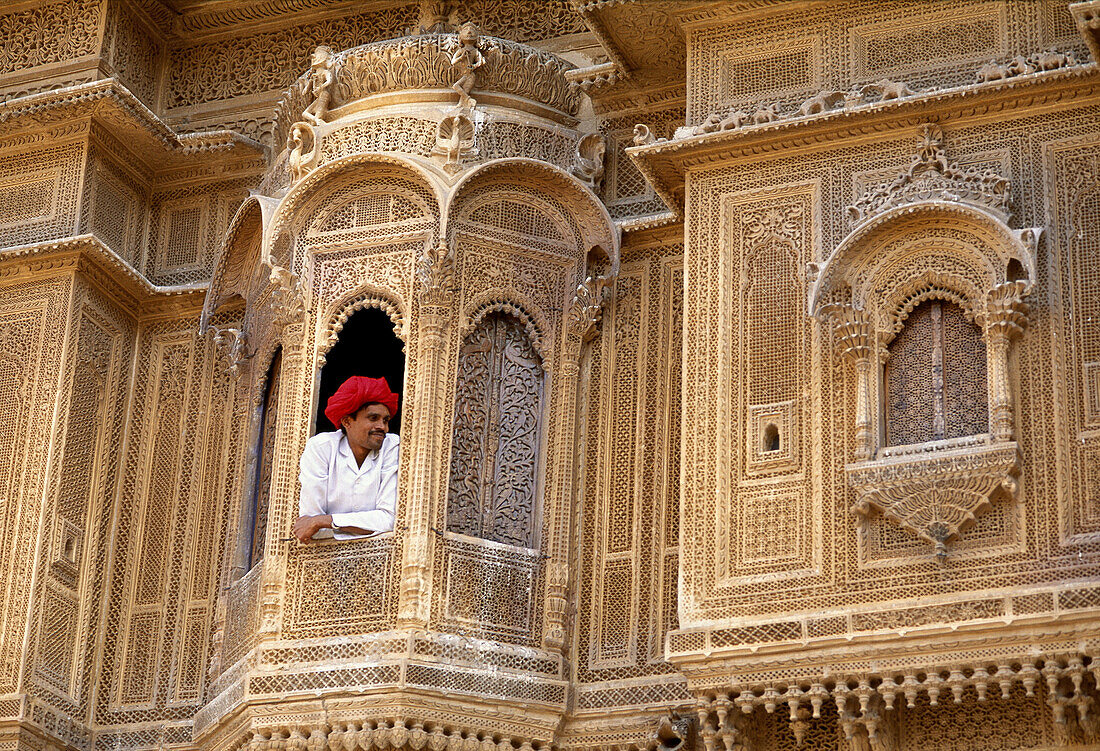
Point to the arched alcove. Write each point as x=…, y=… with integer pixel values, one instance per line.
x=368, y=345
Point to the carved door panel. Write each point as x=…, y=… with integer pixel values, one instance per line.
x=496, y=434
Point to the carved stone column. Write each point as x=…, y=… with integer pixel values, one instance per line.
x=436, y=274
x=855, y=343
x=1005, y=319
x=585, y=316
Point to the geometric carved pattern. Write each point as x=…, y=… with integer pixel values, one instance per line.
x=265, y=443
x=936, y=377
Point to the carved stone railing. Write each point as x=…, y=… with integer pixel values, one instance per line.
x=425, y=62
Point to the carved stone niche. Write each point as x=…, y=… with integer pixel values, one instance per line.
x=937, y=234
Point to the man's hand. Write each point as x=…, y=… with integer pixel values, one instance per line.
x=305, y=527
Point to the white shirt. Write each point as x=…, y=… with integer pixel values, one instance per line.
x=356, y=496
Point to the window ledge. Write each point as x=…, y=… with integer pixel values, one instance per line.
x=936, y=489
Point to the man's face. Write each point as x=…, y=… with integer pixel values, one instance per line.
x=368, y=426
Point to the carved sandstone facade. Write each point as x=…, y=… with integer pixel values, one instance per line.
x=751, y=388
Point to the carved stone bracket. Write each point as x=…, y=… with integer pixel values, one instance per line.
x=1087, y=16
x=377, y=734
x=936, y=494
x=304, y=150
x=587, y=310
x=867, y=703
x=287, y=300
x=557, y=584
x=436, y=270
x=231, y=345
x=588, y=160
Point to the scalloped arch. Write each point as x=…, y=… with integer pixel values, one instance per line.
x=513, y=304
x=323, y=180
x=366, y=296
x=997, y=245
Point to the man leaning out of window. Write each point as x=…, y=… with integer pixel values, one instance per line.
x=349, y=476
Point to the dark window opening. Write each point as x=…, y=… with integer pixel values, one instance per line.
x=936, y=377
x=265, y=454
x=368, y=346
x=771, y=438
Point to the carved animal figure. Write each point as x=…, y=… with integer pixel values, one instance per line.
x=1052, y=60
x=1020, y=66
x=588, y=164
x=710, y=125
x=821, y=102
x=887, y=89
x=454, y=140
x=734, y=120
x=302, y=143
x=993, y=71
x=768, y=113
x=643, y=135
x=853, y=97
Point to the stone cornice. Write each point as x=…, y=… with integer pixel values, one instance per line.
x=706, y=14
x=587, y=11
x=110, y=104
x=643, y=223
x=90, y=255
x=895, y=649
x=666, y=163
x=203, y=22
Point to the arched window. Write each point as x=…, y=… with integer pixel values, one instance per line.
x=495, y=447
x=265, y=452
x=368, y=346
x=936, y=377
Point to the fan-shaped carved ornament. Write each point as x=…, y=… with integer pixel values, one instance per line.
x=930, y=177
x=939, y=495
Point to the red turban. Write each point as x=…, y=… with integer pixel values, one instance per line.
x=357, y=391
